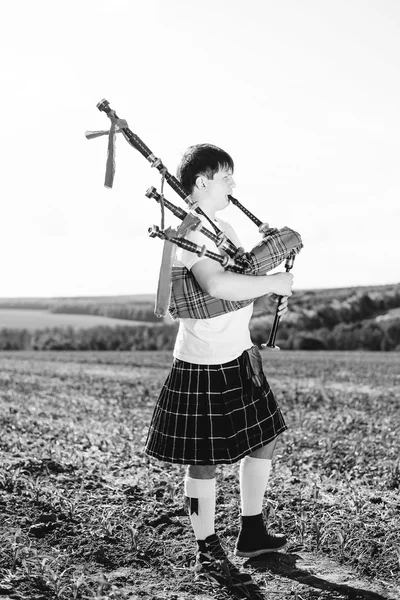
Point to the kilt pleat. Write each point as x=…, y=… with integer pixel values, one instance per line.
x=212, y=414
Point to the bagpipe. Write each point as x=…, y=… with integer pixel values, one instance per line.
x=177, y=288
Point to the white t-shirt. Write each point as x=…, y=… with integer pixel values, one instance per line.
x=220, y=339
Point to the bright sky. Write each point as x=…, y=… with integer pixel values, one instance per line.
x=304, y=95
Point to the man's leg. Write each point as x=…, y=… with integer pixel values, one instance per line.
x=253, y=475
x=200, y=491
x=253, y=538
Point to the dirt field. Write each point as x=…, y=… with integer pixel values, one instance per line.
x=85, y=514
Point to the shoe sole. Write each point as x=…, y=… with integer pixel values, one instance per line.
x=258, y=552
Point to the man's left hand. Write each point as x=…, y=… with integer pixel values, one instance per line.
x=268, y=304
x=283, y=306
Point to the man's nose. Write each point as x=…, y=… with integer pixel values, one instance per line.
x=232, y=182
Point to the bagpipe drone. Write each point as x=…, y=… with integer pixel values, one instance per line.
x=178, y=290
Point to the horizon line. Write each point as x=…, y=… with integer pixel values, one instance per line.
x=305, y=289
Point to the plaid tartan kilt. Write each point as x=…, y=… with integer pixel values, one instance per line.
x=212, y=414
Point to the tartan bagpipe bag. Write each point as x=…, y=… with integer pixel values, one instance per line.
x=188, y=301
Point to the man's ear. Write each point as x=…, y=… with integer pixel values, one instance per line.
x=200, y=182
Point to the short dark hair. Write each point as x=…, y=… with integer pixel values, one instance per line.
x=202, y=159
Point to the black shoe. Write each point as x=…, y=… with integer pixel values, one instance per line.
x=212, y=562
x=254, y=540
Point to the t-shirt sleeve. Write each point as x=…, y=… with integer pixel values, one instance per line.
x=189, y=259
x=230, y=232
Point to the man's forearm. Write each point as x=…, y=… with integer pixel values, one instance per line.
x=235, y=286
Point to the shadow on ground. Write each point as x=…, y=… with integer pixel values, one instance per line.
x=323, y=575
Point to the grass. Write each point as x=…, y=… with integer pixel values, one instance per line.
x=85, y=514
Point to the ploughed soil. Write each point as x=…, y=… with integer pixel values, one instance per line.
x=85, y=514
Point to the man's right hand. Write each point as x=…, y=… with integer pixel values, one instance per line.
x=281, y=283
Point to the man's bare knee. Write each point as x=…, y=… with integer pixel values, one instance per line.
x=201, y=471
x=266, y=451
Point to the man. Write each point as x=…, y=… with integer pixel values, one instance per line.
x=216, y=406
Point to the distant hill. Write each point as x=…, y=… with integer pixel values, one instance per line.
x=127, y=308
x=351, y=318
x=32, y=320
x=366, y=318
x=104, y=305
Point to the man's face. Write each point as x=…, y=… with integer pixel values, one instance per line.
x=220, y=186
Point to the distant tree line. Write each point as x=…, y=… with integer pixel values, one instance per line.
x=95, y=338
x=323, y=321
x=365, y=335
x=358, y=307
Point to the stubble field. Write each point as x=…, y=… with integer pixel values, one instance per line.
x=85, y=514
